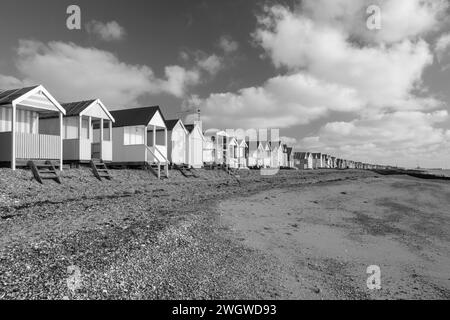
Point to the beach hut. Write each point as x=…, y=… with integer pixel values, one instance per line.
x=276, y=153
x=22, y=136
x=317, y=160
x=210, y=147
x=254, y=151
x=140, y=138
x=232, y=153
x=303, y=160
x=290, y=157
x=209, y=151
x=333, y=162
x=218, y=140
x=87, y=129
x=242, y=153
x=177, y=140
x=195, y=144
x=266, y=156
x=284, y=162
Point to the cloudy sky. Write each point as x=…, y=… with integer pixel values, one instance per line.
x=311, y=68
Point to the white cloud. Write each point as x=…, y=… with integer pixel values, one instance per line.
x=403, y=138
x=212, y=64
x=281, y=102
x=289, y=141
x=178, y=79
x=442, y=46
x=325, y=72
x=228, y=45
x=75, y=72
x=383, y=76
x=109, y=31
x=8, y=82
x=401, y=19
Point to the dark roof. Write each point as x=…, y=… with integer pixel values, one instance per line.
x=135, y=117
x=289, y=150
x=189, y=127
x=301, y=155
x=170, y=124
x=8, y=96
x=75, y=108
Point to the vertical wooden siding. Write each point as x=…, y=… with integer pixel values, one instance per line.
x=37, y=146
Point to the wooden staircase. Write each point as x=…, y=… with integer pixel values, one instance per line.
x=155, y=166
x=156, y=169
x=100, y=170
x=44, y=171
x=186, y=170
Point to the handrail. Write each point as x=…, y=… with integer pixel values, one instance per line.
x=165, y=159
x=154, y=156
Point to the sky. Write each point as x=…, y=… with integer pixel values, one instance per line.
x=313, y=69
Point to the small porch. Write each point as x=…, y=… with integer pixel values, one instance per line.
x=22, y=135
x=156, y=144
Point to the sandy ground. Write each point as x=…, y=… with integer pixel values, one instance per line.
x=135, y=237
x=325, y=236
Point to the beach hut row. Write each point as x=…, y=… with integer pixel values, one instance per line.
x=221, y=148
x=318, y=160
x=34, y=126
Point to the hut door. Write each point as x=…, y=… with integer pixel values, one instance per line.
x=96, y=143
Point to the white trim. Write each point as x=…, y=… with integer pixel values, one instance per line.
x=45, y=92
x=102, y=106
x=182, y=126
x=162, y=120
x=13, y=136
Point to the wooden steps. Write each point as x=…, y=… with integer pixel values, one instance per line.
x=44, y=171
x=156, y=169
x=100, y=170
x=186, y=170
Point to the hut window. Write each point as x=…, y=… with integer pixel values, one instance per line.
x=5, y=119
x=70, y=128
x=134, y=135
x=84, y=128
x=106, y=133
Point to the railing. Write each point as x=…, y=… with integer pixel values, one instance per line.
x=157, y=161
x=153, y=157
x=157, y=154
x=162, y=156
x=37, y=146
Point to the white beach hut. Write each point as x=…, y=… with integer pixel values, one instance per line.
x=241, y=153
x=136, y=139
x=195, y=145
x=177, y=142
x=22, y=137
x=87, y=131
